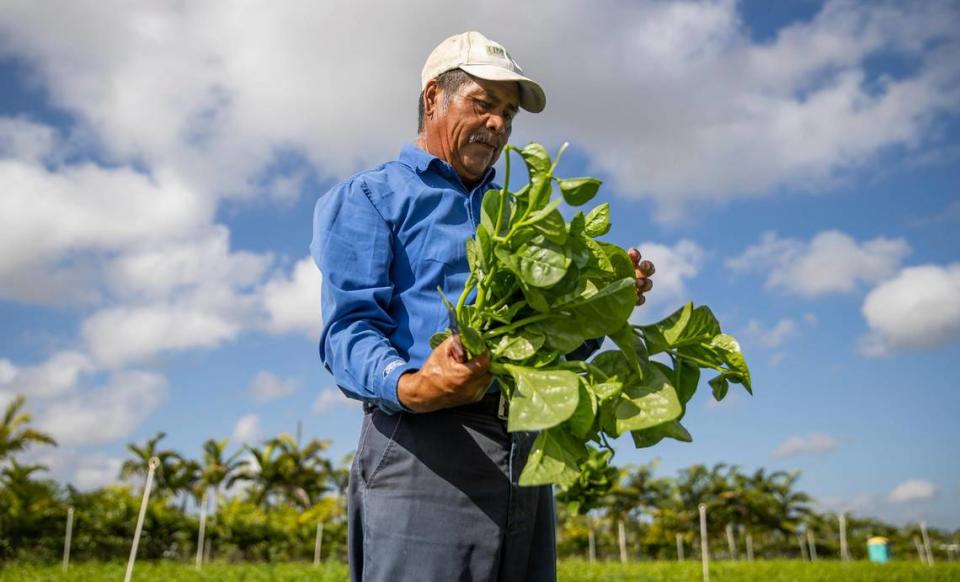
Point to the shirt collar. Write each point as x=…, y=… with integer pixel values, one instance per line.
x=421, y=161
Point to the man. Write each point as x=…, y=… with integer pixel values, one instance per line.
x=433, y=490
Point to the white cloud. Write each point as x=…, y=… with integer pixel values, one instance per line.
x=918, y=309
x=832, y=262
x=247, y=431
x=670, y=98
x=95, y=471
x=121, y=335
x=913, y=490
x=816, y=443
x=8, y=371
x=330, y=398
x=292, y=303
x=266, y=387
x=676, y=265
x=104, y=414
x=47, y=217
x=157, y=271
x=772, y=337
x=25, y=140
x=56, y=376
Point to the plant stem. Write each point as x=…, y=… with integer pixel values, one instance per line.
x=463, y=296
x=526, y=321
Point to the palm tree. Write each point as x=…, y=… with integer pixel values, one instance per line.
x=305, y=473
x=216, y=471
x=140, y=464
x=282, y=467
x=14, y=434
x=262, y=471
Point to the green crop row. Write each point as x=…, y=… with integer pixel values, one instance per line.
x=569, y=571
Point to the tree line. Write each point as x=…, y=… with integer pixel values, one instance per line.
x=266, y=502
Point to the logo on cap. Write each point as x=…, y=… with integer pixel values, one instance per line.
x=495, y=51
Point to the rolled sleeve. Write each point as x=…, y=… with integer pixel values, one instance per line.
x=352, y=247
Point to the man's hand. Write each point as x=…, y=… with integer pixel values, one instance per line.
x=643, y=271
x=445, y=380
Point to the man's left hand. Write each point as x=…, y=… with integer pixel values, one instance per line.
x=643, y=270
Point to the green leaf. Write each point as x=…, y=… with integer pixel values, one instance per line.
x=520, y=346
x=536, y=157
x=538, y=165
x=562, y=334
x=598, y=221
x=580, y=253
x=554, y=459
x=619, y=260
x=672, y=328
x=651, y=436
x=582, y=419
x=506, y=313
x=599, y=258
x=605, y=311
x=542, y=399
x=733, y=357
x=652, y=402
x=579, y=191
x=542, y=263
x=686, y=378
x=472, y=340
x=489, y=210
x=720, y=387
x=475, y=257
x=551, y=225
x=541, y=358
x=535, y=298
x=626, y=340
x=438, y=338
x=577, y=224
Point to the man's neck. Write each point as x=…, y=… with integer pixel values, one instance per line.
x=434, y=149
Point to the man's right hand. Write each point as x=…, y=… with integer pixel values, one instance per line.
x=445, y=380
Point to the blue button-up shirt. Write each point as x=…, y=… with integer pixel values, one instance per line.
x=384, y=240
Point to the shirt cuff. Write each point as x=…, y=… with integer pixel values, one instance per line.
x=389, y=401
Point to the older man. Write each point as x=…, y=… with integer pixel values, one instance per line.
x=433, y=491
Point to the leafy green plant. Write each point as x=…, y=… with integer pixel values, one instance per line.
x=540, y=287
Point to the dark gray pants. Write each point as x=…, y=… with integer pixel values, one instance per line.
x=434, y=498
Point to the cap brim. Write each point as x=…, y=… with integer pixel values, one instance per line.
x=532, y=97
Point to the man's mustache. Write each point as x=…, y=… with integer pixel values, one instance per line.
x=487, y=138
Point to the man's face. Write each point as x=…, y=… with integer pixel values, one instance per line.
x=475, y=125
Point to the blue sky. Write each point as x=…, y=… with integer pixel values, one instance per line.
x=794, y=166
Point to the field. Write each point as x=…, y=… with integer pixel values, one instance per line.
x=570, y=571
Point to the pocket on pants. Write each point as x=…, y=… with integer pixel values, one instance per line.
x=376, y=441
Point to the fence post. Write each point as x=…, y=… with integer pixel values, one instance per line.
x=844, y=554
x=151, y=468
x=318, y=545
x=592, y=546
x=67, y=539
x=622, y=540
x=920, y=552
x=731, y=542
x=926, y=542
x=202, y=531
x=704, y=549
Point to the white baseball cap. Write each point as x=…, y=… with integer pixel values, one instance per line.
x=481, y=57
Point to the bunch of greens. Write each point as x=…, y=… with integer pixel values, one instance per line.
x=541, y=287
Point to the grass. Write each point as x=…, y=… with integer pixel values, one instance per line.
x=569, y=571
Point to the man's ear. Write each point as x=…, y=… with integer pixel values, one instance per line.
x=431, y=99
